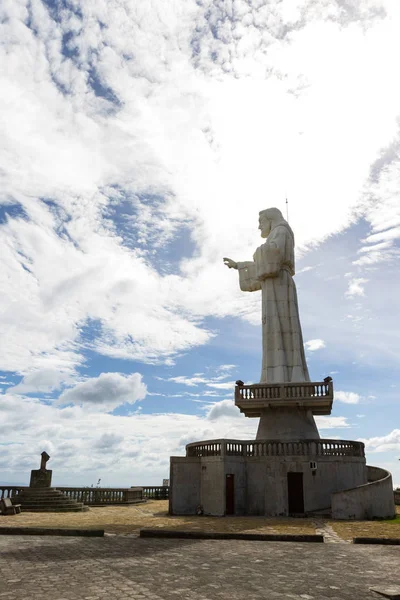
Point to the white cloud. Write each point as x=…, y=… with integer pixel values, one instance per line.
x=305, y=270
x=109, y=441
x=189, y=381
x=225, y=408
x=225, y=368
x=78, y=441
x=106, y=392
x=228, y=385
x=173, y=151
x=45, y=380
x=356, y=287
x=222, y=372
x=347, y=397
x=331, y=422
x=384, y=443
x=313, y=345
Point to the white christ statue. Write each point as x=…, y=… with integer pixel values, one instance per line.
x=271, y=271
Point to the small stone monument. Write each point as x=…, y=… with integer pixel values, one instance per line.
x=40, y=497
x=41, y=478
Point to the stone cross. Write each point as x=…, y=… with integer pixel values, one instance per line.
x=45, y=458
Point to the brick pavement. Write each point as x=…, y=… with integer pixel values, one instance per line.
x=130, y=568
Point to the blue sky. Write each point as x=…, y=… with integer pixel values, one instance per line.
x=139, y=143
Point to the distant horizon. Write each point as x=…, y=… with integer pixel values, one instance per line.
x=55, y=485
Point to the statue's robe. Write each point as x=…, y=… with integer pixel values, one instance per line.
x=272, y=272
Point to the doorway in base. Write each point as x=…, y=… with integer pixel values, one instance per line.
x=295, y=493
x=230, y=494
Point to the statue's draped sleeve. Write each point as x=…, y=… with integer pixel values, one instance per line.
x=267, y=259
x=276, y=253
x=248, y=279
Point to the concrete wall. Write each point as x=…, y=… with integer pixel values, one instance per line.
x=184, y=494
x=212, y=480
x=332, y=474
x=256, y=484
x=260, y=482
x=371, y=500
x=236, y=466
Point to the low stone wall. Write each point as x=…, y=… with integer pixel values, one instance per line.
x=156, y=492
x=102, y=496
x=397, y=497
x=371, y=500
x=89, y=496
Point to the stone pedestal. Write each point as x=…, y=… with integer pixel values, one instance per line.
x=287, y=424
x=40, y=478
x=287, y=470
x=259, y=474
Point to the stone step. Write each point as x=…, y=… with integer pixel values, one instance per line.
x=39, y=496
x=54, y=502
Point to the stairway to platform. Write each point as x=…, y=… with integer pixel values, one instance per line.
x=47, y=500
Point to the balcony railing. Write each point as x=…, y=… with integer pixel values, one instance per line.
x=284, y=391
x=276, y=448
x=254, y=399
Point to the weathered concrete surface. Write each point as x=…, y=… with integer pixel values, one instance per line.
x=374, y=499
x=132, y=568
x=287, y=424
x=260, y=482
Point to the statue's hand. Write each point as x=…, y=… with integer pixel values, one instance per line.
x=230, y=263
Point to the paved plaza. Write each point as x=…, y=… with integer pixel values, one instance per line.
x=128, y=567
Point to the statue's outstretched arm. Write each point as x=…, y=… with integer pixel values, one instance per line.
x=231, y=264
x=247, y=278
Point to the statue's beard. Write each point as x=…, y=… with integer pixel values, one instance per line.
x=265, y=232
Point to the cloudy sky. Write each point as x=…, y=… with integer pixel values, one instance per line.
x=139, y=140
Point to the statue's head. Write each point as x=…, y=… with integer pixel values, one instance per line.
x=268, y=219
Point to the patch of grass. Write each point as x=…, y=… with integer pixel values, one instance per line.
x=389, y=528
x=153, y=514
x=395, y=521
